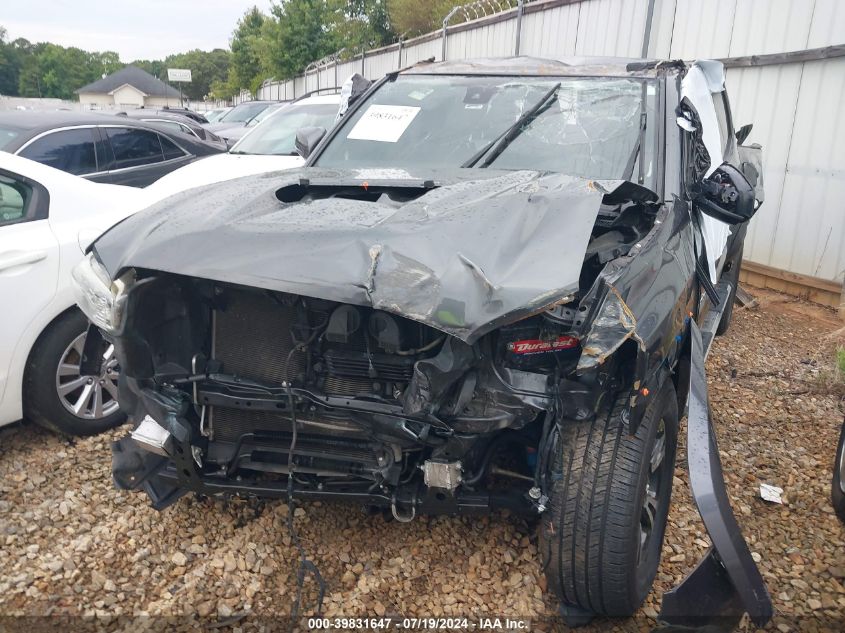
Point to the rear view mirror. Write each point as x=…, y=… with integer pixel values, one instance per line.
x=743, y=132
x=726, y=195
x=307, y=138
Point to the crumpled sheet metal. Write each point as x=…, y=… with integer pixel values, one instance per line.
x=465, y=258
x=614, y=325
x=704, y=79
x=643, y=294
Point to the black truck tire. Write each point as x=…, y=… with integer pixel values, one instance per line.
x=733, y=275
x=838, y=489
x=47, y=395
x=591, y=538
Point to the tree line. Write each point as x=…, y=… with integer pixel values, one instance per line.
x=279, y=45
x=297, y=32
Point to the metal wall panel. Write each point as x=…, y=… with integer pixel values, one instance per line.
x=611, y=27
x=770, y=26
x=662, y=28
x=490, y=40
x=811, y=225
x=380, y=64
x=767, y=97
x=551, y=33
x=702, y=29
x=417, y=52
x=828, y=24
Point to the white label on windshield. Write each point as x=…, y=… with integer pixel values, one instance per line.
x=384, y=123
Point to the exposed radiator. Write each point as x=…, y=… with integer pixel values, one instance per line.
x=252, y=338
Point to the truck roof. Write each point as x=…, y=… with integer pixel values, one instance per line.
x=533, y=66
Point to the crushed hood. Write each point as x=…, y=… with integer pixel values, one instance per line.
x=465, y=257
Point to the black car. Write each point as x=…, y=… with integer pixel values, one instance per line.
x=492, y=286
x=175, y=122
x=837, y=491
x=185, y=112
x=102, y=148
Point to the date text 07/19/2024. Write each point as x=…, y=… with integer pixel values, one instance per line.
x=387, y=623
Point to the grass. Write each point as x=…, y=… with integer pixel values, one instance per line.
x=831, y=379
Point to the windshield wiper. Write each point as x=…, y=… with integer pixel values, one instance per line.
x=504, y=139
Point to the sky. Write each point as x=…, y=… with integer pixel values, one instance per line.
x=136, y=29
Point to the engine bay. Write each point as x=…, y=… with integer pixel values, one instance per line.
x=346, y=393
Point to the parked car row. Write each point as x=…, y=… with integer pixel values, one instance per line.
x=41, y=241
x=138, y=147
x=492, y=284
x=212, y=116
x=99, y=147
x=268, y=146
x=176, y=123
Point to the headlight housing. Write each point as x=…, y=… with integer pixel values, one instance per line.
x=101, y=299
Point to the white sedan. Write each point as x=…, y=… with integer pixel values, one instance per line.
x=47, y=218
x=269, y=146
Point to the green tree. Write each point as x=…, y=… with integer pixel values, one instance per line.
x=412, y=17
x=29, y=80
x=301, y=34
x=12, y=56
x=155, y=67
x=206, y=68
x=219, y=90
x=357, y=24
x=245, y=66
x=50, y=70
x=109, y=61
x=63, y=70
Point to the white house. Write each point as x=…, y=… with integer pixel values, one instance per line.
x=128, y=88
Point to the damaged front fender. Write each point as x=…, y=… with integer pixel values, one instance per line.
x=726, y=583
x=614, y=324
x=644, y=298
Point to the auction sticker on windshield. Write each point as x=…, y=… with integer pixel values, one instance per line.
x=385, y=123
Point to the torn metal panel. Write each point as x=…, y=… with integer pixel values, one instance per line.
x=614, y=325
x=704, y=81
x=427, y=258
x=726, y=582
x=644, y=296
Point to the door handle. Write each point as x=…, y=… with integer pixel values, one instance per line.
x=20, y=258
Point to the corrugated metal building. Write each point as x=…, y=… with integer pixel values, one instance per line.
x=797, y=241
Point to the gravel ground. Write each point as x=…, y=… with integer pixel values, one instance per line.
x=72, y=545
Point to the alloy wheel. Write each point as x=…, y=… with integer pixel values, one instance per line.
x=87, y=397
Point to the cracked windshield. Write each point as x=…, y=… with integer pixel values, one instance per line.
x=593, y=128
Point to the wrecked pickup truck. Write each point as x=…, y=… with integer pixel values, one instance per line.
x=492, y=286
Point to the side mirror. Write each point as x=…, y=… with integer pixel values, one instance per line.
x=751, y=164
x=743, y=133
x=726, y=195
x=307, y=138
